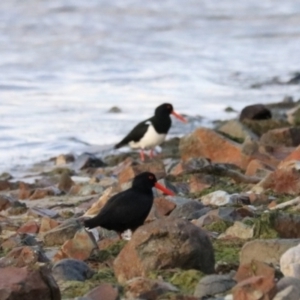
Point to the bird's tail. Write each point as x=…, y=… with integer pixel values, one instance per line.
x=119, y=145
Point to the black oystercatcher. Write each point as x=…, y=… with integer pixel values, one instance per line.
x=130, y=208
x=151, y=132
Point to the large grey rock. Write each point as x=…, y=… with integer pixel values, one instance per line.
x=268, y=251
x=214, y=284
x=71, y=269
x=190, y=210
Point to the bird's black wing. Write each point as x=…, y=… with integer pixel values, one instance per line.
x=135, y=134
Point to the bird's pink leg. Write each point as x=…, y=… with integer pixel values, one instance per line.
x=151, y=153
x=142, y=155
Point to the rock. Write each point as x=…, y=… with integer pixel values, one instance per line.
x=87, y=160
x=6, y=202
x=237, y=130
x=295, y=79
x=61, y=233
x=254, y=268
x=255, y=112
x=42, y=193
x=190, y=210
x=200, y=182
x=290, y=262
x=293, y=115
x=258, y=168
x=29, y=227
x=209, y=144
x=4, y=185
x=17, y=208
x=163, y=206
x=24, y=191
x=294, y=155
x=284, y=180
x=129, y=171
x=288, y=137
x=288, y=289
x=42, y=212
x=65, y=182
x=64, y=159
x=218, y=198
x=268, y=251
x=104, y=291
x=114, y=109
x=165, y=243
x=214, y=284
x=71, y=269
x=20, y=257
x=191, y=165
x=47, y=224
x=80, y=247
x=145, y=288
x=287, y=225
x=257, y=287
x=239, y=230
x=25, y=283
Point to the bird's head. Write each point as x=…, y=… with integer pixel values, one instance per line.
x=147, y=180
x=167, y=109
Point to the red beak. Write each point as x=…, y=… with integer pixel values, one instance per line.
x=178, y=116
x=163, y=189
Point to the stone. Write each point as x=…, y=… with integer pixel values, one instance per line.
x=287, y=225
x=294, y=155
x=290, y=262
x=191, y=165
x=27, y=284
x=29, y=227
x=41, y=193
x=239, y=230
x=163, y=206
x=71, y=269
x=189, y=210
x=104, y=291
x=217, y=198
x=42, y=212
x=237, y=130
x=255, y=112
x=214, y=284
x=165, y=243
x=65, y=182
x=199, y=182
x=145, y=288
x=97, y=206
x=6, y=202
x=20, y=257
x=288, y=289
x=87, y=160
x=4, y=185
x=64, y=159
x=47, y=224
x=17, y=208
x=80, y=247
x=254, y=268
x=258, y=168
x=114, y=109
x=284, y=180
x=257, y=287
x=130, y=170
x=207, y=143
x=61, y=233
x=288, y=137
x=268, y=251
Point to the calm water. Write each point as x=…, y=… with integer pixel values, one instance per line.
x=65, y=63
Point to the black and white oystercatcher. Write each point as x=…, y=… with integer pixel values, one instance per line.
x=130, y=208
x=151, y=132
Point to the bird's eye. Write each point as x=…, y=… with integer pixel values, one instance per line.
x=150, y=177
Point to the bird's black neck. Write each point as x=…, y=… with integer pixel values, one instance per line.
x=143, y=189
x=161, y=124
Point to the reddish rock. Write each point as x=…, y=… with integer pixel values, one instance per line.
x=10, y=243
x=130, y=171
x=65, y=182
x=5, y=202
x=294, y=155
x=163, y=206
x=4, y=185
x=256, y=288
x=41, y=193
x=258, y=199
x=75, y=189
x=104, y=291
x=145, y=288
x=285, y=180
x=207, y=143
x=165, y=243
x=20, y=257
x=287, y=225
x=258, y=168
x=255, y=268
x=27, y=284
x=288, y=137
x=189, y=166
x=24, y=191
x=47, y=224
x=80, y=247
x=199, y=182
x=29, y=227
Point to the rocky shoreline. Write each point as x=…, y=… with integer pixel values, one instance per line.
x=231, y=232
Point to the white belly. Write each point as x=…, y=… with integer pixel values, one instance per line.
x=149, y=140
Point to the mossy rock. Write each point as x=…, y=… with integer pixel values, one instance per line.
x=260, y=127
x=228, y=251
x=184, y=280
x=218, y=226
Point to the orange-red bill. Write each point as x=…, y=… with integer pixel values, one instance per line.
x=163, y=189
x=178, y=116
